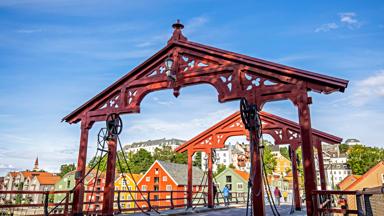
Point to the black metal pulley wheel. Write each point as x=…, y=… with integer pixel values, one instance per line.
x=102, y=138
x=250, y=116
x=114, y=124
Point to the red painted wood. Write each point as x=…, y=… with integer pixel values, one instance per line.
x=296, y=189
x=78, y=195
x=189, y=187
x=323, y=182
x=258, y=207
x=109, y=188
x=210, y=179
x=307, y=151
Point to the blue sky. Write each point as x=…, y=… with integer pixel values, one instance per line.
x=55, y=55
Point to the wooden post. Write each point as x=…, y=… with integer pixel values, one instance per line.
x=257, y=181
x=189, y=183
x=66, y=203
x=109, y=188
x=323, y=182
x=302, y=103
x=210, y=179
x=296, y=190
x=78, y=195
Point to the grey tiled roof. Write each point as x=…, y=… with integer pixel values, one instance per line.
x=158, y=142
x=179, y=172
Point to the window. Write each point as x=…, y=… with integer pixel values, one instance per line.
x=156, y=188
x=123, y=205
x=168, y=187
x=156, y=197
x=97, y=198
x=68, y=183
x=168, y=197
x=156, y=171
x=156, y=179
x=129, y=188
x=144, y=187
x=124, y=188
x=228, y=178
x=382, y=178
x=98, y=181
x=239, y=186
x=147, y=179
x=165, y=178
x=122, y=197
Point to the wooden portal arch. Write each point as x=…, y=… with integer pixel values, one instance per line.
x=233, y=75
x=282, y=130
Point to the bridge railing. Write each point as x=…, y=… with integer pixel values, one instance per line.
x=125, y=201
x=366, y=202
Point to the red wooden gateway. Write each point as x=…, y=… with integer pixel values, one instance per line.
x=182, y=63
x=282, y=130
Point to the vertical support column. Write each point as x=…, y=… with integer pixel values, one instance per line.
x=321, y=164
x=108, y=195
x=258, y=207
x=296, y=191
x=302, y=103
x=189, y=186
x=78, y=195
x=210, y=179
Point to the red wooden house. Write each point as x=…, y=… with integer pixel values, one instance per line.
x=97, y=195
x=162, y=178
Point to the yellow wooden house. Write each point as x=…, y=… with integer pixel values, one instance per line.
x=125, y=184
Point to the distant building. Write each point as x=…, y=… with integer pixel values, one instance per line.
x=236, y=181
x=372, y=178
x=29, y=181
x=151, y=145
x=335, y=173
x=95, y=184
x=166, y=176
x=352, y=142
x=65, y=184
x=347, y=181
x=126, y=182
x=42, y=182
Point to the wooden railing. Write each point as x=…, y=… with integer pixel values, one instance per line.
x=350, y=202
x=136, y=201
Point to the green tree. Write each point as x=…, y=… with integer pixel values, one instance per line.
x=232, y=166
x=285, y=152
x=103, y=164
x=140, y=161
x=66, y=168
x=197, y=161
x=181, y=158
x=167, y=154
x=343, y=148
x=269, y=159
x=362, y=158
x=220, y=168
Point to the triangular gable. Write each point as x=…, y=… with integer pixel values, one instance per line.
x=157, y=162
x=232, y=71
x=278, y=127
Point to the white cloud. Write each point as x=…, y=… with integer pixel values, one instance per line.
x=371, y=88
x=326, y=27
x=349, y=19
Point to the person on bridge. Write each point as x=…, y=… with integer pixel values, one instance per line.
x=215, y=195
x=226, y=192
x=277, y=194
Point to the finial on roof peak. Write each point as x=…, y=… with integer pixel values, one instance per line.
x=177, y=25
x=177, y=33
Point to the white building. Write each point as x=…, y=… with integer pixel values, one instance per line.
x=151, y=145
x=335, y=173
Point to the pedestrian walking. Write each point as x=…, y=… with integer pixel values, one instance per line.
x=226, y=192
x=277, y=194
